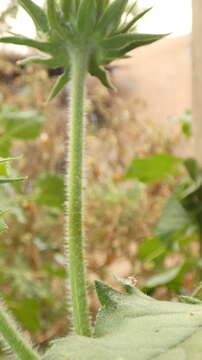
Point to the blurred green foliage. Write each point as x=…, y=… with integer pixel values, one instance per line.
x=152, y=168
x=50, y=190
x=178, y=230
x=26, y=280
x=16, y=124
x=185, y=121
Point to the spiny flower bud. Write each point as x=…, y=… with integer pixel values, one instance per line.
x=92, y=26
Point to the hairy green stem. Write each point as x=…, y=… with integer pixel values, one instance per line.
x=75, y=189
x=13, y=338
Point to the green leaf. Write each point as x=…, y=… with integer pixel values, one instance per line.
x=6, y=180
x=9, y=204
x=123, y=41
x=189, y=300
x=68, y=8
x=149, y=249
x=101, y=6
x=23, y=125
x=174, y=218
x=136, y=44
x=187, y=129
x=152, y=168
x=111, y=17
x=185, y=121
x=101, y=74
x=106, y=294
x=51, y=62
x=21, y=40
x=108, y=56
x=188, y=190
x=53, y=18
x=3, y=167
x=6, y=160
x=3, y=225
x=27, y=311
x=137, y=328
x=192, y=168
x=86, y=19
x=18, y=124
x=163, y=278
x=50, y=190
x=132, y=22
x=37, y=14
x=59, y=85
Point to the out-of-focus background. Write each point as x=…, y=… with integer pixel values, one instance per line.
x=149, y=114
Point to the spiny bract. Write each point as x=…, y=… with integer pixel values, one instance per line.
x=104, y=29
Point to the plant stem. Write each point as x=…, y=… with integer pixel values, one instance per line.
x=10, y=333
x=75, y=189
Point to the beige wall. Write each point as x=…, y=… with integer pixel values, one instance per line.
x=197, y=77
x=156, y=83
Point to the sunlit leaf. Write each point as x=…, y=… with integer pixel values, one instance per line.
x=21, y=124
x=152, y=168
x=50, y=190
x=149, y=249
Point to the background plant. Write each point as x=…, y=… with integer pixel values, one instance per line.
x=177, y=232
x=20, y=203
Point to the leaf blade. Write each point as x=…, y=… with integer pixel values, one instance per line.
x=22, y=40
x=86, y=18
x=135, y=40
x=111, y=16
x=169, y=327
x=59, y=85
x=153, y=168
x=37, y=14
